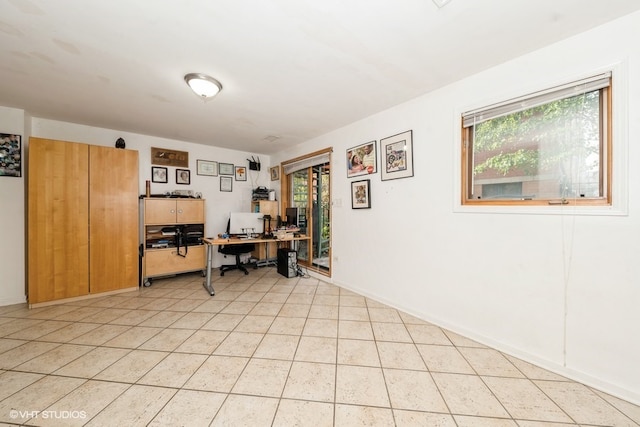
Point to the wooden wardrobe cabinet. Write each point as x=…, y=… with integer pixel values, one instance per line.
x=82, y=220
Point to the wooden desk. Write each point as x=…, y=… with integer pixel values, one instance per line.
x=211, y=242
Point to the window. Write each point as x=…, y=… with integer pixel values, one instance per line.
x=551, y=147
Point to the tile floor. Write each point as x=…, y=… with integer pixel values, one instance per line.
x=269, y=351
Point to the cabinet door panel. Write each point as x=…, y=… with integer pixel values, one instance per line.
x=160, y=211
x=113, y=207
x=166, y=261
x=190, y=211
x=58, y=220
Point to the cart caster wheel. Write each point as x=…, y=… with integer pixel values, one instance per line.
x=147, y=283
x=221, y=273
x=246, y=272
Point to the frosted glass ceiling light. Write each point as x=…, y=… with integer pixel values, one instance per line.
x=204, y=86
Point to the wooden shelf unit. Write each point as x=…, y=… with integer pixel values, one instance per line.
x=173, y=230
x=266, y=207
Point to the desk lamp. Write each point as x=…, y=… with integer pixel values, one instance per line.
x=266, y=226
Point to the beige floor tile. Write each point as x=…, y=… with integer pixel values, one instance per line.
x=198, y=407
x=360, y=385
x=468, y=395
x=132, y=366
x=466, y=421
x=241, y=344
x=54, y=359
x=257, y=324
x=355, y=330
x=524, y=400
x=15, y=325
x=39, y=330
x=266, y=309
x=316, y=349
x=391, y=332
x=167, y=339
x=444, y=359
x=25, y=352
x=15, y=381
x=194, y=320
x=202, y=342
x=324, y=299
x=325, y=288
x=223, y=322
x=323, y=312
x=239, y=307
x=275, y=298
x=460, y=341
x=252, y=411
x=311, y=381
x=77, y=314
x=174, y=370
x=158, y=303
x=134, y=317
x=427, y=334
x=263, y=377
x=487, y=361
x=413, y=390
x=36, y=397
x=415, y=418
x=387, y=315
x=162, y=319
x=351, y=415
x=287, y=326
x=217, y=373
x=353, y=313
x=7, y=344
x=629, y=409
x=109, y=315
x=137, y=406
x=301, y=413
x=294, y=310
x=100, y=335
x=321, y=328
x=92, y=363
x=211, y=306
x=250, y=296
x=400, y=356
x=69, y=332
x=358, y=352
x=281, y=347
x=133, y=337
x=83, y=403
x=352, y=300
x=583, y=405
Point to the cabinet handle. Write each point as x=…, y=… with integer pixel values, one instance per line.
x=172, y=211
x=179, y=210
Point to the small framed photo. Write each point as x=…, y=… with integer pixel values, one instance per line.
x=361, y=194
x=10, y=155
x=226, y=183
x=159, y=174
x=206, y=167
x=362, y=160
x=241, y=173
x=397, y=156
x=275, y=173
x=183, y=176
x=226, y=169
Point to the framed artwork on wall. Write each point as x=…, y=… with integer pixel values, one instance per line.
x=361, y=194
x=159, y=174
x=362, y=159
x=275, y=173
x=183, y=176
x=226, y=169
x=165, y=157
x=397, y=156
x=241, y=173
x=206, y=167
x=10, y=155
x=226, y=183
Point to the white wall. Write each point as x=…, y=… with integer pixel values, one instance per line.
x=12, y=216
x=558, y=289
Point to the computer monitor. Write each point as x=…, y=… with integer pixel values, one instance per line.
x=245, y=222
x=292, y=216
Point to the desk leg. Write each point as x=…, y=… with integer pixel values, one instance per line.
x=207, y=281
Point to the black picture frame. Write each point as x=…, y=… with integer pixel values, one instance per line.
x=226, y=184
x=159, y=174
x=396, y=153
x=183, y=176
x=10, y=155
x=241, y=173
x=362, y=159
x=361, y=194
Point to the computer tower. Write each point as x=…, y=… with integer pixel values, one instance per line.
x=287, y=262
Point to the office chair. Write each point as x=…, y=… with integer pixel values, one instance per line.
x=235, y=250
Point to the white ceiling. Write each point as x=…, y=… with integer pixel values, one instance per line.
x=292, y=69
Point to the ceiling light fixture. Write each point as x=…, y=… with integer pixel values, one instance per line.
x=204, y=86
x=441, y=3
